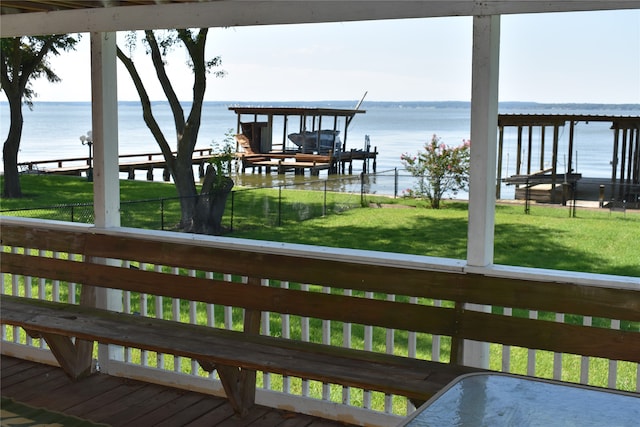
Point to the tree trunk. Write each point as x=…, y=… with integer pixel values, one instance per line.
x=199, y=213
x=185, y=185
x=209, y=206
x=10, y=149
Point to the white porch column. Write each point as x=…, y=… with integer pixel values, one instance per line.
x=484, y=130
x=104, y=104
x=482, y=175
x=106, y=184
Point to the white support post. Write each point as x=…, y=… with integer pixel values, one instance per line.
x=104, y=97
x=106, y=183
x=482, y=175
x=484, y=129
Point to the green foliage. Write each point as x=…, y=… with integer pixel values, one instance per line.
x=166, y=41
x=224, y=153
x=24, y=59
x=439, y=169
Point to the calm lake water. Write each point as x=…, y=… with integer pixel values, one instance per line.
x=53, y=129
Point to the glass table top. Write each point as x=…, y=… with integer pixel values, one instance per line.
x=507, y=400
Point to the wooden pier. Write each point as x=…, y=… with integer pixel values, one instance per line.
x=534, y=181
x=129, y=163
x=294, y=139
x=299, y=162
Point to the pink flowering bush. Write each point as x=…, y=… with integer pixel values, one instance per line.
x=439, y=169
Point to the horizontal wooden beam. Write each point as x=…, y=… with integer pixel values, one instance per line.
x=230, y=13
x=313, y=268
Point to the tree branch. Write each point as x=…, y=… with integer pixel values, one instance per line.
x=161, y=72
x=147, y=112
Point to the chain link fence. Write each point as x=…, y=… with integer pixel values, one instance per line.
x=76, y=212
x=289, y=202
x=246, y=208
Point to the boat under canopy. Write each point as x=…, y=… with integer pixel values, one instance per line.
x=266, y=135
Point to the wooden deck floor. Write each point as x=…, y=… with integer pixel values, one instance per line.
x=122, y=402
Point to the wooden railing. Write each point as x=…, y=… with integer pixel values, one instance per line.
x=59, y=163
x=573, y=327
x=127, y=163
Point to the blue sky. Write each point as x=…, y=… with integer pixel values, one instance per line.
x=562, y=57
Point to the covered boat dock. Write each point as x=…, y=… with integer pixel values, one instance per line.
x=554, y=179
x=298, y=138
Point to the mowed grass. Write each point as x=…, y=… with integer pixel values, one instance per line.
x=595, y=241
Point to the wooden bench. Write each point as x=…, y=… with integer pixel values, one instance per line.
x=237, y=355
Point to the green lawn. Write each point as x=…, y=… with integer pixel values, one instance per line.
x=595, y=241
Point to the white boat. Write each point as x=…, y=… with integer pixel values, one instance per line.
x=320, y=142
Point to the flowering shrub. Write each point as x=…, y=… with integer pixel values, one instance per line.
x=439, y=169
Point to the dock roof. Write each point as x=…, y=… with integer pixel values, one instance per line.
x=297, y=111
x=627, y=122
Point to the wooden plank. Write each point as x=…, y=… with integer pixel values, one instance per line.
x=213, y=418
x=39, y=375
x=204, y=406
x=416, y=317
x=527, y=294
x=43, y=237
x=130, y=406
x=502, y=292
x=136, y=415
x=179, y=403
x=120, y=399
x=12, y=366
x=473, y=288
x=86, y=389
x=552, y=336
x=107, y=401
x=404, y=376
x=52, y=381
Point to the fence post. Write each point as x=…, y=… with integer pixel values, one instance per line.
x=324, y=207
x=72, y=213
x=395, y=183
x=362, y=188
x=233, y=196
x=162, y=214
x=279, y=205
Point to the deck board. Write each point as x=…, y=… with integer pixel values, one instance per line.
x=123, y=402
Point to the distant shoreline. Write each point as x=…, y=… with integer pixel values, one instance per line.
x=524, y=105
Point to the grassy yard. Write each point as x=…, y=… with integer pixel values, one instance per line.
x=595, y=241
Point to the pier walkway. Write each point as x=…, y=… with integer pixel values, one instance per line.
x=128, y=163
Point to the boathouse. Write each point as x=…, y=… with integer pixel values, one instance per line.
x=67, y=286
x=554, y=177
x=299, y=139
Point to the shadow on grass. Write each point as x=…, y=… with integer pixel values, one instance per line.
x=434, y=233
x=421, y=235
x=531, y=246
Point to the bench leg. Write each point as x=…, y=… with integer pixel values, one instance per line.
x=239, y=384
x=74, y=357
x=240, y=387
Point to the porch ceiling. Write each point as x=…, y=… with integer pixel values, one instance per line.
x=34, y=17
x=26, y=6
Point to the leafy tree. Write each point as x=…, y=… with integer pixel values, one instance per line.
x=439, y=169
x=24, y=59
x=198, y=213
